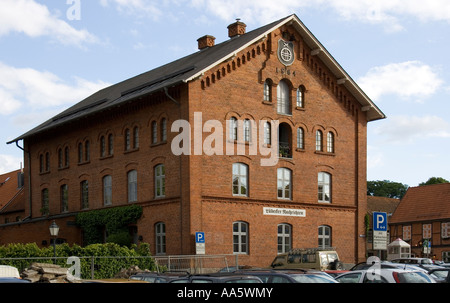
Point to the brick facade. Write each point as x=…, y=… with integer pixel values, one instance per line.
x=199, y=187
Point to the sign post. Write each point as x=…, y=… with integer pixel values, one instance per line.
x=379, y=231
x=200, y=243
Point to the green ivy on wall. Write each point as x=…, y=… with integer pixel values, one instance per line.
x=114, y=220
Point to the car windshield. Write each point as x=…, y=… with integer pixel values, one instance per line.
x=426, y=261
x=305, y=278
x=413, y=277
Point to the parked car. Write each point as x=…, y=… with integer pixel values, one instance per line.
x=385, y=275
x=425, y=263
x=312, y=258
x=155, y=277
x=218, y=278
x=440, y=275
x=290, y=276
x=12, y=280
x=7, y=271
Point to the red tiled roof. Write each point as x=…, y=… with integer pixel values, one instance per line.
x=383, y=204
x=8, y=187
x=424, y=203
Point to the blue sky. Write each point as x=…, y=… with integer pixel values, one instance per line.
x=55, y=53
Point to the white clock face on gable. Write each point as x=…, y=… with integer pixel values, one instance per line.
x=286, y=52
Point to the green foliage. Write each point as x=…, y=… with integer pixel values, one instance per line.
x=434, y=180
x=114, y=220
x=106, y=259
x=386, y=188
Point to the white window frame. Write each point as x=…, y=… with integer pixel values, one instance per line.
x=107, y=190
x=284, y=178
x=160, y=238
x=240, y=237
x=324, y=187
x=283, y=98
x=240, y=179
x=160, y=181
x=132, y=186
x=284, y=234
x=324, y=240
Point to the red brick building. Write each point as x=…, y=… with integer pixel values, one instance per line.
x=423, y=216
x=129, y=144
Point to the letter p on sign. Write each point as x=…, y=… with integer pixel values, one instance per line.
x=379, y=221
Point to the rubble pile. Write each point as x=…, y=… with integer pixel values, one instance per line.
x=45, y=273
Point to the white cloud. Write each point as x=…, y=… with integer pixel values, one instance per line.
x=35, y=20
x=384, y=12
x=33, y=89
x=406, y=129
x=412, y=80
x=9, y=163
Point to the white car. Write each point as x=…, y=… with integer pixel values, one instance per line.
x=385, y=275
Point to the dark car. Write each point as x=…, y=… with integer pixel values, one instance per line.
x=155, y=277
x=12, y=280
x=290, y=276
x=218, y=278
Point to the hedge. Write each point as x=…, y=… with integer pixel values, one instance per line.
x=109, y=258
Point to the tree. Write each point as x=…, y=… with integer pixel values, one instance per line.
x=434, y=180
x=386, y=188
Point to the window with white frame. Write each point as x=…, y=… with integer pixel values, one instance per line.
x=240, y=179
x=160, y=238
x=284, y=183
x=267, y=133
x=324, y=236
x=300, y=138
x=324, y=187
x=330, y=142
x=240, y=237
x=247, y=130
x=283, y=98
x=445, y=230
x=160, y=181
x=154, y=132
x=300, y=96
x=267, y=90
x=233, y=128
x=284, y=238
x=319, y=140
x=164, y=130
x=132, y=186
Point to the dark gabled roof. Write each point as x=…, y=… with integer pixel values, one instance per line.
x=191, y=67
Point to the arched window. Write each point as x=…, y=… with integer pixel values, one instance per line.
x=64, y=197
x=267, y=133
x=284, y=183
x=87, y=151
x=60, y=158
x=247, y=130
x=160, y=238
x=319, y=140
x=127, y=140
x=102, y=146
x=300, y=138
x=240, y=179
x=324, y=187
x=164, y=130
x=283, y=98
x=240, y=237
x=154, y=132
x=110, y=144
x=45, y=202
x=330, y=142
x=84, y=197
x=136, y=137
x=284, y=238
x=324, y=236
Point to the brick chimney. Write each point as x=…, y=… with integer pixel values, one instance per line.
x=236, y=29
x=205, y=42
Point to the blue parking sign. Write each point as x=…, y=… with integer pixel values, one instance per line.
x=379, y=221
x=199, y=237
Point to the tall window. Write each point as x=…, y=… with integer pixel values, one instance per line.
x=107, y=190
x=324, y=187
x=324, y=236
x=240, y=237
x=84, y=188
x=284, y=238
x=284, y=183
x=66, y=156
x=102, y=146
x=132, y=186
x=60, y=158
x=164, y=130
x=44, y=202
x=300, y=96
x=160, y=238
x=267, y=133
x=268, y=90
x=160, y=181
x=330, y=142
x=233, y=128
x=127, y=140
x=240, y=179
x=136, y=137
x=154, y=132
x=87, y=151
x=64, y=196
x=110, y=145
x=318, y=140
x=300, y=138
x=80, y=152
x=283, y=98
x=247, y=130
